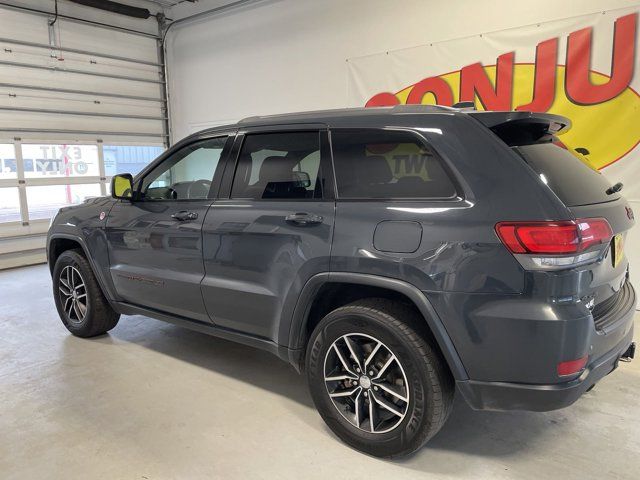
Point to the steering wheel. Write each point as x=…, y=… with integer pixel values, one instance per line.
x=199, y=189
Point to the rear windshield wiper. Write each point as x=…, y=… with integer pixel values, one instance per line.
x=615, y=188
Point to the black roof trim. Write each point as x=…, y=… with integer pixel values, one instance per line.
x=325, y=115
x=348, y=115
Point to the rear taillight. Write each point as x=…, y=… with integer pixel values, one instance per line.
x=594, y=231
x=555, y=238
x=555, y=245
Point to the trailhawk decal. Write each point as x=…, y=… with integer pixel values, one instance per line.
x=561, y=78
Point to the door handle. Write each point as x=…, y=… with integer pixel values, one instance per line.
x=183, y=215
x=302, y=218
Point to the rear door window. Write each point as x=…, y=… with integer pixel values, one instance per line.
x=387, y=164
x=567, y=174
x=279, y=166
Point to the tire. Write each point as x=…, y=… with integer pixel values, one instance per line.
x=72, y=272
x=420, y=379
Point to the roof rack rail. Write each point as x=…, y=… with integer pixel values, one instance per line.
x=465, y=105
x=408, y=107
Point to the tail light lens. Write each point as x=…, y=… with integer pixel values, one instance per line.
x=554, y=238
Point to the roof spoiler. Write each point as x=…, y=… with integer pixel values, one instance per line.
x=523, y=128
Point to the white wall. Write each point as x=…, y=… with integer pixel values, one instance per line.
x=290, y=55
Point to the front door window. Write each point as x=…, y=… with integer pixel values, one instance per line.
x=187, y=174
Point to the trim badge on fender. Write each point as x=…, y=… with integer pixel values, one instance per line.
x=102, y=215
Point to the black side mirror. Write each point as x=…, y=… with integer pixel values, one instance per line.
x=122, y=186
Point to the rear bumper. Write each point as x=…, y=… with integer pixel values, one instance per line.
x=533, y=397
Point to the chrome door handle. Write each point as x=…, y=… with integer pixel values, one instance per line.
x=303, y=218
x=183, y=215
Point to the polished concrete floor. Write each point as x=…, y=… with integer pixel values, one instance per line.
x=154, y=401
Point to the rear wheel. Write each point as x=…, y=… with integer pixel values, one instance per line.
x=79, y=300
x=377, y=383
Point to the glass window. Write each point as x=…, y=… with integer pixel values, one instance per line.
x=128, y=158
x=185, y=175
x=60, y=160
x=279, y=165
x=8, y=166
x=387, y=164
x=567, y=174
x=44, y=201
x=9, y=205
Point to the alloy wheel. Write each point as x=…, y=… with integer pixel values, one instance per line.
x=366, y=383
x=73, y=294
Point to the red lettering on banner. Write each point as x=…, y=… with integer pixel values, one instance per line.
x=384, y=99
x=578, y=85
x=474, y=81
x=434, y=85
x=544, y=83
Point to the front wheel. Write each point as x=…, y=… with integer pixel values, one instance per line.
x=377, y=383
x=79, y=300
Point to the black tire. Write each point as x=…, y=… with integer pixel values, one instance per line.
x=428, y=378
x=98, y=316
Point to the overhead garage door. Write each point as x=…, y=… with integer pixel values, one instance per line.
x=78, y=103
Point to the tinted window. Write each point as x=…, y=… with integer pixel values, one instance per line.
x=572, y=180
x=185, y=175
x=387, y=164
x=278, y=166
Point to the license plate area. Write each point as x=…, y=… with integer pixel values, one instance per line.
x=617, y=249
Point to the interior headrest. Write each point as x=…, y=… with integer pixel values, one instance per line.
x=275, y=169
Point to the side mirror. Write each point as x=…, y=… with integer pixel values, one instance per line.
x=122, y=186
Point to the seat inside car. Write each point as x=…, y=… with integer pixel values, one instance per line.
x=276, y=180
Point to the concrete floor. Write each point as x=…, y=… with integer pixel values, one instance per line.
x=154, y=401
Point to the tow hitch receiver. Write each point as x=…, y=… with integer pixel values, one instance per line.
x=628, y=355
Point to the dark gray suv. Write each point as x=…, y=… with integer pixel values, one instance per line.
x=392, y=254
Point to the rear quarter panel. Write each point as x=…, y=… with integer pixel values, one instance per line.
x=460, y=264
x=459, y=250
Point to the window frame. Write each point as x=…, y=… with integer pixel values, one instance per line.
x=325, y=172
x=168, y=155
x=458, y=190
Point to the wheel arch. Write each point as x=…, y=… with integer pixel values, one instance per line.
x=58, y=243
x=298, y=332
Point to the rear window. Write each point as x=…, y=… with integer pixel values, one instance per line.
x=372, y=163
x=567, y=174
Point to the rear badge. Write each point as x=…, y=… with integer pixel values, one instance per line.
x=102, y=215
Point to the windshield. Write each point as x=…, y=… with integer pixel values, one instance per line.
x=571, y=178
